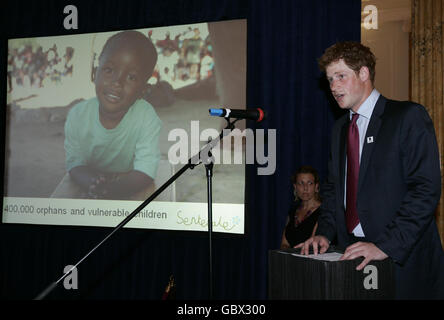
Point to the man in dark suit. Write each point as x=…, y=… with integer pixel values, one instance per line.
x=384, y=177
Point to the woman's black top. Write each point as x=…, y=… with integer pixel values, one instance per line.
x=299, y=232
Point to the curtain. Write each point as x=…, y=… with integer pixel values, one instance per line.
x=427, y=76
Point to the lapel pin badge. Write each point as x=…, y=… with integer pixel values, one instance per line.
x=370, y=139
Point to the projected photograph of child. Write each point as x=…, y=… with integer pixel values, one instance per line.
x=89, y=115
x=111, y=140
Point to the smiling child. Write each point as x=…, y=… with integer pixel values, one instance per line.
x=111, y=140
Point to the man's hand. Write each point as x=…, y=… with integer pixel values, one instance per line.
x=316, y=242
x=363, y=249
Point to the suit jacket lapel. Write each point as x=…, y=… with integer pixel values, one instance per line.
x=342, y=155
x=371, y=137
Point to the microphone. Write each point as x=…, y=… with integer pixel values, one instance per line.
x=252, y=114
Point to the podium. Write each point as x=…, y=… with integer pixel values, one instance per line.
x=293, y=277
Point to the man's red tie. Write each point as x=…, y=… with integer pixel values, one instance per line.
x=351, y=213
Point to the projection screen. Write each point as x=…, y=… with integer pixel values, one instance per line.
x=199, y=66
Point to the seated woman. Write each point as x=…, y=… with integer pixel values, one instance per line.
x=303, y=214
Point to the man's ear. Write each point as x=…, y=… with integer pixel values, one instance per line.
x=364, y=73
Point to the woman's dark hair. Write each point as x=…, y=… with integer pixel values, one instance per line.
x=305, y=169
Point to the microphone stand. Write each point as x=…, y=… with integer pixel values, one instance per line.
x=203, y=156
x=209, y=173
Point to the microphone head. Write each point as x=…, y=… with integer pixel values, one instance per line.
x=249, y=114
x=216, y=112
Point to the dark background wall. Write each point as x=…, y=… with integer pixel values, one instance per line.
x=284, y=40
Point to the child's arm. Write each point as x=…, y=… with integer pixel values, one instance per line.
x=101, y=185
x=87, y=179
x=124, y=185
